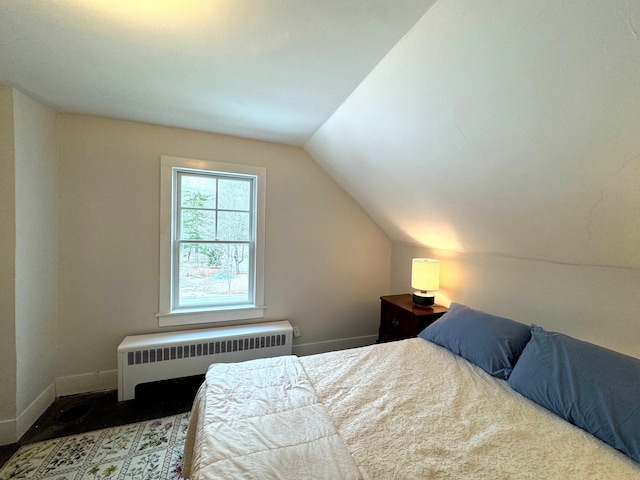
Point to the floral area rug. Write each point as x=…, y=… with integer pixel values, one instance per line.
x=140, y=451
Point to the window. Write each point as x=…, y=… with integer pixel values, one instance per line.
x=211, y=241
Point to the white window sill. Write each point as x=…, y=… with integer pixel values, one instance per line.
x=193, y=317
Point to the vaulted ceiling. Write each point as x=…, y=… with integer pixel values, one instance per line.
x=272, y=70
x=503, y=127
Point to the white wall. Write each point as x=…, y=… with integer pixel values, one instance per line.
x=7, y=268
x=326, y=261
x=36, y=175
x=28, y=261
x=507, y=134
x=596, y=304
x=501, y=127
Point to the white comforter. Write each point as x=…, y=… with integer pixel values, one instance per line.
x=261, y=419
x=401, y=410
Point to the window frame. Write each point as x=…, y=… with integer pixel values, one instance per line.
x=170, y=316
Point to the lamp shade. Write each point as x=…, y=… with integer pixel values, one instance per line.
x=425, y=274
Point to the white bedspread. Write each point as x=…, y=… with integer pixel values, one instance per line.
x=259, y=420
x=401, y=410
x=413, y=410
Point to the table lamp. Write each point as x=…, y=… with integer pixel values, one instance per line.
x=425, y=278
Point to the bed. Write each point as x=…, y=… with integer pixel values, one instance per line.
x=432, y=407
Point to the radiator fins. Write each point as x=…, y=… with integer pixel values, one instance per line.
x=204, y=349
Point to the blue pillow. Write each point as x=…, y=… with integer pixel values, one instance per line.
x=590, y=386
x=492, y=343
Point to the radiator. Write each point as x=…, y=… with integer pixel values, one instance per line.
x=162, y=356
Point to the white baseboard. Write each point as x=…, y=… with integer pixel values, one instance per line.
x=8, y=433
x=332, y=345
x=33, y=411
x=86, y=383
x=108, y=380
x=12, y=430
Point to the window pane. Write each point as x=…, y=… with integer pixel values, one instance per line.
x=198, y=225
x=234, y=194
x=233, y=226
x=213, y=274
x=198, y=191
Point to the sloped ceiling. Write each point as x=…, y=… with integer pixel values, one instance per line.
x=504, y=127
x=509, y=127
x=271, y=70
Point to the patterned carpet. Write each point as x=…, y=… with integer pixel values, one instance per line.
x=149, y=450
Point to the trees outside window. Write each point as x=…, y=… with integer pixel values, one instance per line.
x=215, y=245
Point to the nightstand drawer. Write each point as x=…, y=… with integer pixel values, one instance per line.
x=398, y=323
x=399, y=318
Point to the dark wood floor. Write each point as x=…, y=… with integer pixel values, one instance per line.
x=83, y=413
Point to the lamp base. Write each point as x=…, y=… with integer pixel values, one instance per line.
x=423, y=299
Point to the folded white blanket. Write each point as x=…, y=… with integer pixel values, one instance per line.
x=401, y=410
x=261, y=419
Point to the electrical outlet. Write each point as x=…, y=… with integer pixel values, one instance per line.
x=296, y=331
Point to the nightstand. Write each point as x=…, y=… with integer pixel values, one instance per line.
x=400, y=318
